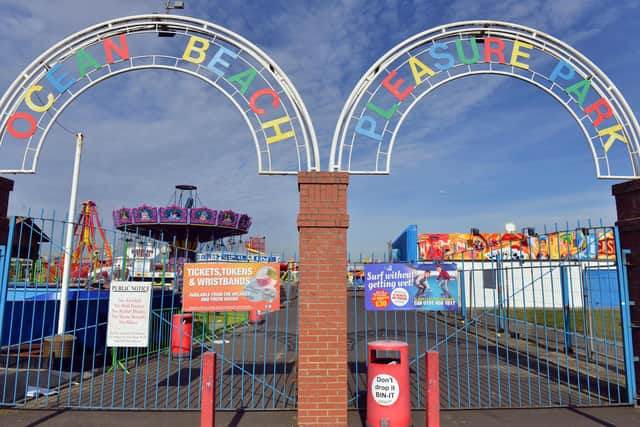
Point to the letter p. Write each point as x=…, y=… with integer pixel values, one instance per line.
x=564, y=70
x=366, y=126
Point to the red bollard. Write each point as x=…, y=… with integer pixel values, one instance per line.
x=388, y=391
x=432, y=392
x=255, y=316
x=208, y=390
x=181, y=330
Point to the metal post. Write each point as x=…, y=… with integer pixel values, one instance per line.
x=432, y=389
x=5, y=266
x=208, y=390
x=502, y=325
x=566, y=307
x=66, y=273
x=627, y=337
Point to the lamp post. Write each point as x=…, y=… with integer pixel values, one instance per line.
x=66, y=272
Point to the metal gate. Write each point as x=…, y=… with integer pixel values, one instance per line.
x=42, y=369
x=537, y=333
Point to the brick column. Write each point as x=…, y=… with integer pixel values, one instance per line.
x=322, y=318
x=6, y=186
x=627, y=196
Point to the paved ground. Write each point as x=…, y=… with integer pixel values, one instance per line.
x=568, y=417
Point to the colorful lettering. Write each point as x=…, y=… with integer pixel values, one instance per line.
x=517, y=53
x=218, y=60
x=85, y=61
x=368, y=131
x=32, y=105
x=199, y=46
x=435, y=55
x=613, y=135
x=598, y=107
x=262, y=92
x=57, y=80
x=279, y=135
x=110, y=46
x=488, y=50
x=24, y=116
x=474, y=49
x=245, y=79
x=564, y=70
x=386, y=114
x=419, y=69
x=394, y=88
x=580, y=89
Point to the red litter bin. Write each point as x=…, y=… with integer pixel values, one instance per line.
x=181, y=330
x=388, y=392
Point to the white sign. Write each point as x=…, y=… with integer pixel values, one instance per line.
x=129, y=306
x=384, y=389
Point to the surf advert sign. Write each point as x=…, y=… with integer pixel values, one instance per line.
x=428, y=286
x=231, y=286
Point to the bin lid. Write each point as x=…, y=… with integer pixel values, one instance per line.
x=387, y=345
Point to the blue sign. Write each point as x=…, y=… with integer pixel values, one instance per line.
x=235, y=257
x=411, y=287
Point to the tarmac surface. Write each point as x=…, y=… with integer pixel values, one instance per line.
x=565, y=417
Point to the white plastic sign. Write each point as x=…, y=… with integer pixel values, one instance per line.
x=385, y=389
x=129, y=306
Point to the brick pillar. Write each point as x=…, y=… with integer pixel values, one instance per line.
x=6, y=186
x=627, y=196
x=322, y=318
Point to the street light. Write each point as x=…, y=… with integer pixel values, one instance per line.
x=176, y=5
x=163, y=29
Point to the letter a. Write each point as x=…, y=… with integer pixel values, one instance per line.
x=580, y=89
x=419, y=69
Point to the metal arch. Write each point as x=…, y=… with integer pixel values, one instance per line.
x=548, y=44
x=479, y=72
x=151, y=23
x=145, y=67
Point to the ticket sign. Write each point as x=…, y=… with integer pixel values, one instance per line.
x=231, y=287
x=129, y=306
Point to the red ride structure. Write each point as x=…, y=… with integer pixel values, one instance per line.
x=89, y=254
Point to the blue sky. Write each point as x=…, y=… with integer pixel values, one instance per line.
x=478, y=152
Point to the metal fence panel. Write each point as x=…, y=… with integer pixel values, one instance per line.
x=40, y=369
x=529, y=333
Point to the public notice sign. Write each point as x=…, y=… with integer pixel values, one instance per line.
x=231, y=286
x=129, y=307
x=411, y=287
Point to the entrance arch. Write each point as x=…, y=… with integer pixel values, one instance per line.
x=280, y=126
x=385, y=95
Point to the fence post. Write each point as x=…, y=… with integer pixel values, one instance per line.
x=432, y=386
x=625, y=314
x=5, y=265
x=566, y=320
x=208, y=388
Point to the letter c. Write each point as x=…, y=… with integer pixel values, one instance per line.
x=262, y=92
x=32, y=105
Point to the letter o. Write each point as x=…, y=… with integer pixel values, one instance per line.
x=25, y=116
